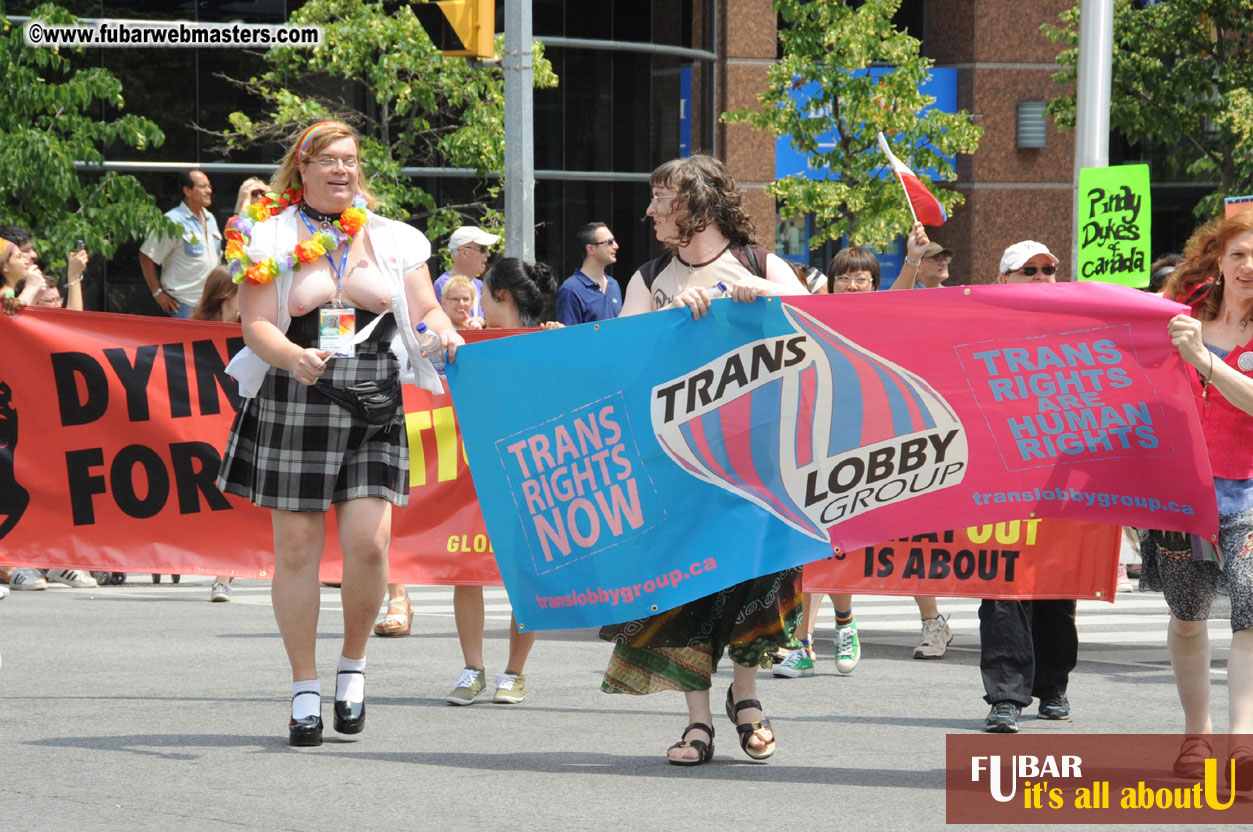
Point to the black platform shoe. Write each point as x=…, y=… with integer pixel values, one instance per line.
x=349, y=716
x=307, y=731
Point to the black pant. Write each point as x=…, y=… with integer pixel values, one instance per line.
x=1027, y=648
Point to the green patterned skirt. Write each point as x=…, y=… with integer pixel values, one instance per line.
x=679, y=649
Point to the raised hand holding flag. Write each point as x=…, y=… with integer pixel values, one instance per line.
x=925, y=207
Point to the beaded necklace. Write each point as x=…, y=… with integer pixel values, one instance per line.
x=341, y=232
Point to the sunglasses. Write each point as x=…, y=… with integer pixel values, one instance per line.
x=1029, y=271
x=607, y=242
x=258, y=193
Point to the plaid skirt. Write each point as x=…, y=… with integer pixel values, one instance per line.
x=291, y=448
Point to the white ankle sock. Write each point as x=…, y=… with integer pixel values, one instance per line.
x=303, y=706
x=350, y=687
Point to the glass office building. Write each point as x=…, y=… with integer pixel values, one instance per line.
x=634, y=91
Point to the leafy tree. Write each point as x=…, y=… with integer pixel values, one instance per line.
x=420, y=109
x=50, y=118
x=829, y=45
x=1182, y=78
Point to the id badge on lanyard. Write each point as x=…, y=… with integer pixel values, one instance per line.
x=337, y=326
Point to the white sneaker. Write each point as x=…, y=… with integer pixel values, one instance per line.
x=1124, y=582
x=27, y=579
x=800, y=662
x=4, y=591
x=936, y=634
x=219, y=592
x=72, y=577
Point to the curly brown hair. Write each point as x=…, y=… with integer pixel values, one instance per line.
x=1202, y=259
x=708, y=193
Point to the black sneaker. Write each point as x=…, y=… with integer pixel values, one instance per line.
x=1055, y=707
x=1002, y=719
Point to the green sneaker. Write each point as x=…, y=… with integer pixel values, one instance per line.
x=847, y=647
x=800, y=662
x=510, y=689
x=469, y=685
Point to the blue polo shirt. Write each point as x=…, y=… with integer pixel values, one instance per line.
x=580, y=300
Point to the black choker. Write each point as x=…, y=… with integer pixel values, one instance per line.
x=319, y=217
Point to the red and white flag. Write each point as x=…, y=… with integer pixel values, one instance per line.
x=925, y=207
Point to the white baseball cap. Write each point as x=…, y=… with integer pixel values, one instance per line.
x=467, y=234
x=1020, y=253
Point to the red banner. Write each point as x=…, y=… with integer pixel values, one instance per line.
x=1022, y=559
x=111, y=432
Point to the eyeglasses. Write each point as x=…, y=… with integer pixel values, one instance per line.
x=940, y=258
x=331, y=162
x=258, y=193
x=657, y=198
x=478, y=248
x=1029, y=271
x=845, y=280
x=607, y=242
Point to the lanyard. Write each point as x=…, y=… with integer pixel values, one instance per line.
x=343, y=259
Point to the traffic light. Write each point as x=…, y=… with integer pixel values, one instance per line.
x=462, y=28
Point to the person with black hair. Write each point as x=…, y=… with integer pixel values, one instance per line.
x=516, y=295
x=187, y=260
x=1160, y=271
x=590, y=294
x=520, y=295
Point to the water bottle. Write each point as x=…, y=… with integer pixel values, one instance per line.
x=432, y=348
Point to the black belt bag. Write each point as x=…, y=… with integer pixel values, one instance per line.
x=373, y=402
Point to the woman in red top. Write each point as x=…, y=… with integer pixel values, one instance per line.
x=1216, y=280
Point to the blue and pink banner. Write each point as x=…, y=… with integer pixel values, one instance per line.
x=628, y=467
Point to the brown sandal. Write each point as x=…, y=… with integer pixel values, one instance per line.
x=746, y=730
x=1190, y=764
x=398, y=620
x=704, y=750
x=1242, y=760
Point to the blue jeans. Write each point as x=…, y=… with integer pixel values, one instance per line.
x=183, y=311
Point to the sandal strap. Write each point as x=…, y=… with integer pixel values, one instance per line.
x=746, y=728
x=703, y=749
x=708, y=729
x=701, y=746
x=746, y=703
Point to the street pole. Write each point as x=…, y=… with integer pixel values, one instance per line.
x=1096, y=48
x=519, y=133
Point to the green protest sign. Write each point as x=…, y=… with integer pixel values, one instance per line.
x=1115, y=225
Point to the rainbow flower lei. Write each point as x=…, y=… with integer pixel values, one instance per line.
x=239, y=235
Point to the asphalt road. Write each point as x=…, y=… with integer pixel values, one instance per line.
x=145, y=707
